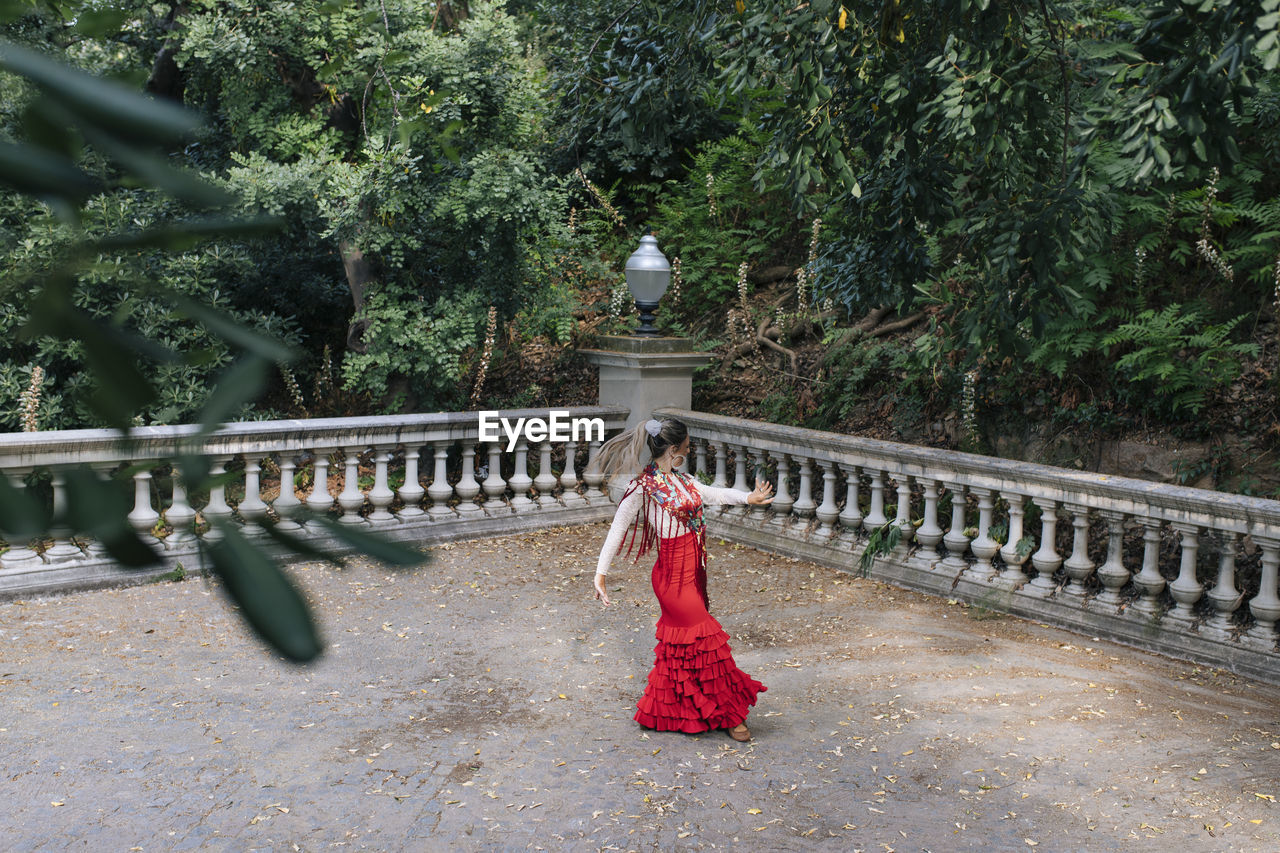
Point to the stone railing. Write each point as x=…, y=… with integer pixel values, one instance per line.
x=473, y=488
x=1187, y=572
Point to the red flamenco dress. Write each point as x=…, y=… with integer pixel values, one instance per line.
x=694, y=685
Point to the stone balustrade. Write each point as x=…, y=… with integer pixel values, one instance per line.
x=1186, y=572
x=468, y=493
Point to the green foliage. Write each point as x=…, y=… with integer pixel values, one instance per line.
x=634, y=84
x=1006, y=147
x=883, y=540
x=418, y=342
x=120, y=126
x=1175, y=359
x=549, y=311
x=381, y=136
x=717, y=217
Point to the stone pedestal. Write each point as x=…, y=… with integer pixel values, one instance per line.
x=644, y=374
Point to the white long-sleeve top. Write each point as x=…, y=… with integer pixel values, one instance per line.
x=629, y=508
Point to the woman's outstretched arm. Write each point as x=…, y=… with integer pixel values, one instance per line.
x=716, y=495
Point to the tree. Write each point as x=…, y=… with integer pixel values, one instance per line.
x=70, y=115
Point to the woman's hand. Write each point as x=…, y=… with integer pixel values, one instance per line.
x=761, y=496
x=601, y=595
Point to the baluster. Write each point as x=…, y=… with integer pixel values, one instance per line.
x=569, y=477
x=828, y=511
x=1265, y=606
x=180, y=515
x=411, y=492
x=591, y=477
x=759, y=512
x=902, y=520
x=1046, y=560
x=1078, y=566
x=252, y=508
x=1186, y=589
x=520, y=482
x=722, y=453
x=319, y=501
x=62, y=550
x=929, y=534
x=876, y=518
x=440, y=491
x=143, y=516
x=1149, y=581
x=467, y=488
x=1112, y=573
x=956, y=540
x=494, y=486
x=739, y=479
x=984, y=548
x=739, y=482
x=286, y=505
x=782, y=501
x=351, y=499
x=700, y=456
x=20, y=556
x=851, y=515
x=381, y=496
x=804, y=507
x=1013, y=577
x=217, y=511
x=1224, y=595
x=93, y=549
x=546, y=481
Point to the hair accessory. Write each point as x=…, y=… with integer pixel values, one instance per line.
x=653, y=427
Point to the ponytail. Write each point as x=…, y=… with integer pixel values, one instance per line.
x=629, y=451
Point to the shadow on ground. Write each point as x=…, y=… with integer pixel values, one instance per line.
x=485, y=702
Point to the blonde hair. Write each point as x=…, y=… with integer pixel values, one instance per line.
x=628, y=452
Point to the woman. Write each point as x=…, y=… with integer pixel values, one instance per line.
x=694, y=685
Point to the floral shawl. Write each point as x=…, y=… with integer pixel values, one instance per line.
x=679, y=514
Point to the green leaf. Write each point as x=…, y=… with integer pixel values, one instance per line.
x=154, y=171
x=231, y=331
x=183, y=235
x=377, y=547
x=235, y=386
x=121, y=388
x=31, y=170
x=301, y=546
x=99, y=22
x=98, y=509
x=21, y=515
x=115, y=109
x=271, y=604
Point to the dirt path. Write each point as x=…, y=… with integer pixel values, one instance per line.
x=485, y=701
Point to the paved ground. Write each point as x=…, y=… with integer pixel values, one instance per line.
x=484, y=702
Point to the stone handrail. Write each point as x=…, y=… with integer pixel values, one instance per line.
x=467, y=498
x=834, y=491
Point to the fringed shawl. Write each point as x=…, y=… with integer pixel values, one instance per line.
x=679, y=513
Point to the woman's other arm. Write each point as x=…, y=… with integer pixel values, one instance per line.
x=628, y=508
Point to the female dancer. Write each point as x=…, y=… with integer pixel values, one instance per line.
x=694, y=685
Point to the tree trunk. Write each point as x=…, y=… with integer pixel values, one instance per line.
x=166, y=79
x=450, y=15
x=359, y=271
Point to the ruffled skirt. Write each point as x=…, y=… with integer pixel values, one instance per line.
x=694, y=685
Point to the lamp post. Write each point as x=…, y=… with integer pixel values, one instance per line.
x=648, y=274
